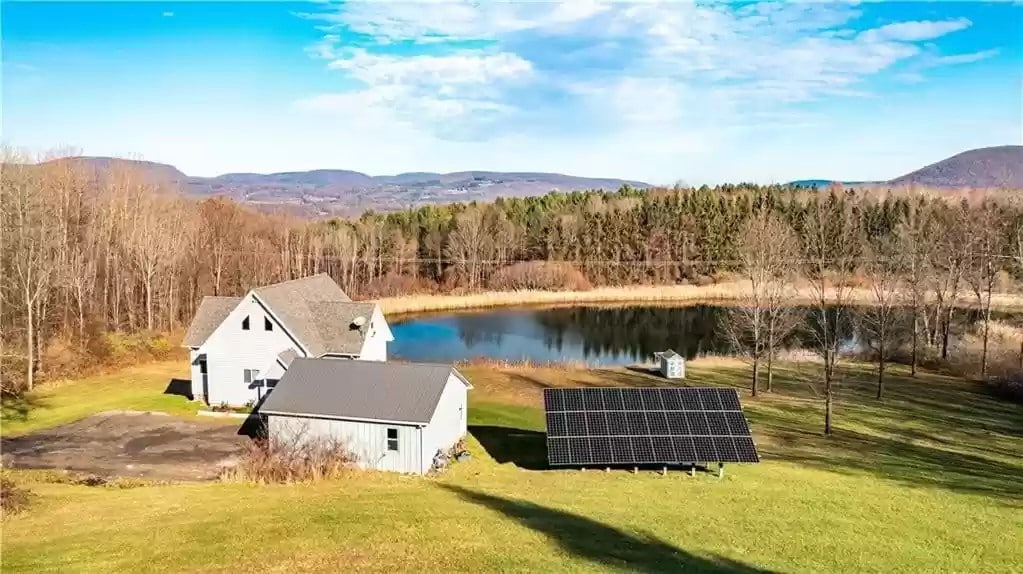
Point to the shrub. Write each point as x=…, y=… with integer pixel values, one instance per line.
x=393, y=285
x=13, y=498
x=272, y=460
x=541, y=275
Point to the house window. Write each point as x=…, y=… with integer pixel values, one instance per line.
x=392, y=440
x=267, y=325
x=245, y=324
x=249, y=375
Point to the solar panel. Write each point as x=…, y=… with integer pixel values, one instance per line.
x=681, y=425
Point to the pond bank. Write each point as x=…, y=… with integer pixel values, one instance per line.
x=718, y=292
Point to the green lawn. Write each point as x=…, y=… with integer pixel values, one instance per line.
x=140, y=388
x=928, y=480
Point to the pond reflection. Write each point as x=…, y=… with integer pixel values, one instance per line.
x=596, y=335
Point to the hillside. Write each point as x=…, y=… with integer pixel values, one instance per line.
x=988, y=167
x=341, y=192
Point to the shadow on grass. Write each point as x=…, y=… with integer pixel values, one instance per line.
x=180, y=388
x=599, y=543
x=17, y=408
x=523, y=448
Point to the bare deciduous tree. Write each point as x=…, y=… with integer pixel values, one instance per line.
x=766, y=252
x=830, y=244
x=885, y=269
x=988, y=228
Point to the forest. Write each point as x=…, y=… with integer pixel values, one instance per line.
x=93, y=254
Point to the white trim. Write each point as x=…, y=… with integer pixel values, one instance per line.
x=340, y=418
x=462, y=378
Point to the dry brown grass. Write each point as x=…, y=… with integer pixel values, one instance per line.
x=300, y=458
x=718, y=292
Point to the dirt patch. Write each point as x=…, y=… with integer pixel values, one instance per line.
x=147, y=445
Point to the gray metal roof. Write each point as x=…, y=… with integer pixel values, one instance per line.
x=318, y=313
x=668, y=354
x=366, y=390
x=211, y=313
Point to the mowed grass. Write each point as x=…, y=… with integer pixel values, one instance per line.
x=140, y=388
x=927, y=480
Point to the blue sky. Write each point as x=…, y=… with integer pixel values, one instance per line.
x=658, y=91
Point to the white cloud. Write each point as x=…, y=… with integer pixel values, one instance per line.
x=667, y=78
x=917, y=31
x=965, y=58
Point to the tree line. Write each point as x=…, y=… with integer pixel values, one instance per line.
x=88, y=251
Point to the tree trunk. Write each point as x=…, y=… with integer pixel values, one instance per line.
x=880, y=377
x=916, y=343
x=828, y=375
x=756, y=374
x=945, y=330
x=987, y=323
x=149, y=303
x=30, y=369
x=770, y=370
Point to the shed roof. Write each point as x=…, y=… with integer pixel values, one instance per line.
x=362, y=390
x=318, y=313
x=211, y=313
x=669, y=354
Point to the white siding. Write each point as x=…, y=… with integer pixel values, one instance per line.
x=449, y=422
x=230, y=350
x=367, y=441
x=374, y=347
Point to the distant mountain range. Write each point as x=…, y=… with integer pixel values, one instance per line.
x=342, y=192
x=986, y=167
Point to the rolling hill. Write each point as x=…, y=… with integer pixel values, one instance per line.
x=344, y=192
x=988, y=167
x=341, y=192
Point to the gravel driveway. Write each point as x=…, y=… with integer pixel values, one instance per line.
x=148, y=445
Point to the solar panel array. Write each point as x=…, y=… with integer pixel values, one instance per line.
x=608, y=426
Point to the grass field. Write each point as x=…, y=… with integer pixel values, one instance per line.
x=928, y=480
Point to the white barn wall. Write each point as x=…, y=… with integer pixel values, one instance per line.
x=230, y=349
x=449, y=422
x=367, y=441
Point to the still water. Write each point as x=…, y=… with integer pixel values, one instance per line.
x=596, y=335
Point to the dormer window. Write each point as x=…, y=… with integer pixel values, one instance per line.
x=245, y=324
x=267, y=325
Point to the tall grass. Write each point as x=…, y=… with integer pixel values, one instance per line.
x=718, y=292
x=297, y=458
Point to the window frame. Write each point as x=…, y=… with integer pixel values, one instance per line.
x=251, y=375
x=393, y=444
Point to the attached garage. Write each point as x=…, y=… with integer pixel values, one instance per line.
x=391, y=416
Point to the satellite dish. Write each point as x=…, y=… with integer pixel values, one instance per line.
x=358, y=322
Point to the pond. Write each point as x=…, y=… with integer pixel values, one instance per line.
x=595, y=335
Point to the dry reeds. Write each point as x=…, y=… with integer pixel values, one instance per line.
x=718, y=292
x=298, y=458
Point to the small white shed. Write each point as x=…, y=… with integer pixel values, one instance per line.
x=391, y=416
x=672, y=365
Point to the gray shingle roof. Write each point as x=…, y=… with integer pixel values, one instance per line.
x=368, y=390
x=287, y=356
x=317, y=312
x=211, y=313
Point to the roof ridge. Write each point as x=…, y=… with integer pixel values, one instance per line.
x=296, y=280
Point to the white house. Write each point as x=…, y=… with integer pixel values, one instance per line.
x=240, y=346
x=391, y=416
